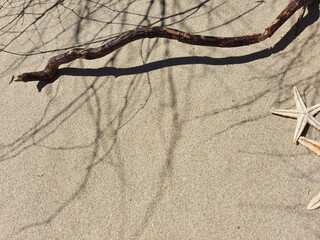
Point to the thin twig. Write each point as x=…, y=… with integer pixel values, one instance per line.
x=160, y=32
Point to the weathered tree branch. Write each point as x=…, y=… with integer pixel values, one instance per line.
x=160, y=32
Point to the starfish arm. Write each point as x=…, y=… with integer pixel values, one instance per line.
x=313, y=145
x=286, y=113
x=299, y=102
x=314, y=203
x=313, y=122
x=314, y=109
x=301, y=123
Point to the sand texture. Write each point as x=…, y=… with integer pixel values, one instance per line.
x=159, y=139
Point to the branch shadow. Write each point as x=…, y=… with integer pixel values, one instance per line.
x=283, y=43
x=310, y=18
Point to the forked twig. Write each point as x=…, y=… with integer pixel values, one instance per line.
x=160, y=32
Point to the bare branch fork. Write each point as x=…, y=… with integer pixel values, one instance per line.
x=160, y=32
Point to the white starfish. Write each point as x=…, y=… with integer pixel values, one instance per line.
x=314, y=203
x=303, y=114
x=315, y=147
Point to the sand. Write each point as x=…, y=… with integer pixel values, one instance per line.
x=159, y=140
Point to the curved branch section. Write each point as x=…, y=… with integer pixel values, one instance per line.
x=160, y=32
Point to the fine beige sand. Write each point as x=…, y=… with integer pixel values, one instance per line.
x=158, y=140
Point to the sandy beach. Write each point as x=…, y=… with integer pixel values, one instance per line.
x=159, y=139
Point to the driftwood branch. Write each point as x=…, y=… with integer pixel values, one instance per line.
x=160, y=32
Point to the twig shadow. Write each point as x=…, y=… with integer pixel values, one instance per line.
x=295, y=31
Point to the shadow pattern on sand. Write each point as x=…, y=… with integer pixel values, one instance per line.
x=26, y=141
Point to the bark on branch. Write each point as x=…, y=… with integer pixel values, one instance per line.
x=160, y=32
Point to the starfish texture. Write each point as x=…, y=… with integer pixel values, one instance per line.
x=313, y=145
x=303, y=114
x=314, y=203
